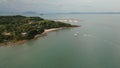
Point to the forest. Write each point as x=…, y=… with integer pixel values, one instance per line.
x=15, y=28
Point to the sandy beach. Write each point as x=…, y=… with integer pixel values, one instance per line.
x=52, y=29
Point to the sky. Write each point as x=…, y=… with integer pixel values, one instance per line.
x=46, y=6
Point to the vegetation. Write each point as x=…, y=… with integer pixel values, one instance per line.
x=15, y=28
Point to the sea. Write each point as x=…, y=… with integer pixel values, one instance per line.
x=95, y=44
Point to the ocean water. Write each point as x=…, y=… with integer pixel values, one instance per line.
x=97, y=45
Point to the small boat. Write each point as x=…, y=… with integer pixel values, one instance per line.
x=75, y=34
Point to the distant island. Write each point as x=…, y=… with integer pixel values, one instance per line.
x=37, y=13
x=94, y=12
x=17, y=29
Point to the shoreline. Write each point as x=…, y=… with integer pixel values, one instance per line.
x=36, y=37
x=52, y=29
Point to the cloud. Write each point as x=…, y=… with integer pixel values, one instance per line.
x=59, y=5
x=3, y=1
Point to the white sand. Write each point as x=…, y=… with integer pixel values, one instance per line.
x=52, y=29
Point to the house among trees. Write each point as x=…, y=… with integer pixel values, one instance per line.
x=24, y=34
x=7, y=33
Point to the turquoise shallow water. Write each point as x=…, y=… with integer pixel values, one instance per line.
x=96, y=46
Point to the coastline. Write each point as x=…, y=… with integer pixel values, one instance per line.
x=52, y=29
x=37, y=36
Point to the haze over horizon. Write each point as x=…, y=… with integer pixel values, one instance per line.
x=43, y=6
